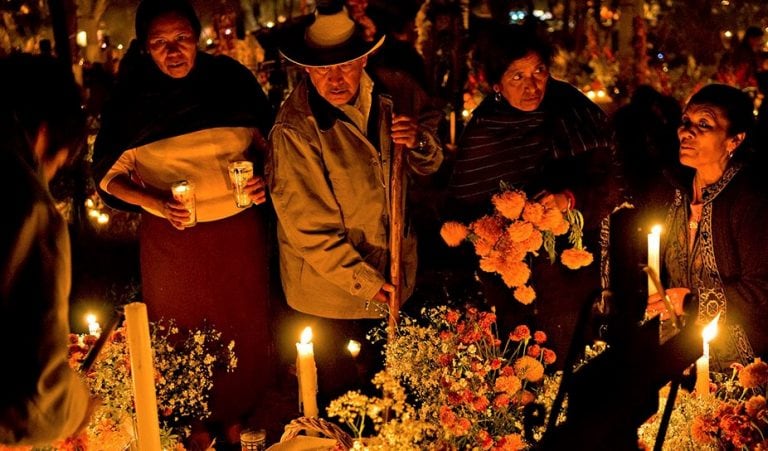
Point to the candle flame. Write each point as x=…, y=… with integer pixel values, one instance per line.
x=353, y=347
x=656, y=230
x=306, y=335
x=90, y=318
x=710, y=330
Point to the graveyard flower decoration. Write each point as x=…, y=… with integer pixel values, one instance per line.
x=733, y=415
x=184, y=363
x=517, y=230
x=452, y=383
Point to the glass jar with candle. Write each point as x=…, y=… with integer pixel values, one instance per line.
x=184, y=192
x=251, y=440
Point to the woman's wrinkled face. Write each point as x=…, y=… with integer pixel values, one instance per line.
x=704, y=140
x=524, y=82
x=172, y=43
x=338, y=84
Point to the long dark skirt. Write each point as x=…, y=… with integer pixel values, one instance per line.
x=216, y=272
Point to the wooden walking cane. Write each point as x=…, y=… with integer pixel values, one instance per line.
x=396, y=228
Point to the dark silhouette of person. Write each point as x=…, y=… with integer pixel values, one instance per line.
x=647, y=144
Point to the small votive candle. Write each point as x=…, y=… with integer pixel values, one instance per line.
x=94, y=328
x=184, y=192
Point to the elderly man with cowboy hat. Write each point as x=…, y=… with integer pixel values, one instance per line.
x=329, y=171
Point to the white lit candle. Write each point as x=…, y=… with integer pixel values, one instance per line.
x=702, y=363
x=307, y=372
x=94, y=328
x=143, y=376
x=654, y=243
x=354, y=348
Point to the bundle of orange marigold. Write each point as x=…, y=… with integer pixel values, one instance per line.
x=516, y=231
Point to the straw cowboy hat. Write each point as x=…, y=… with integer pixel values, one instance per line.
x=331, y=38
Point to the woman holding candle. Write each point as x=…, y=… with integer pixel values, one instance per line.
x=181, y=114
x=713, y=241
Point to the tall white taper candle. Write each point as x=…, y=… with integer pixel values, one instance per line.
x=143, y=376
x=654, y=243
x=307, y=374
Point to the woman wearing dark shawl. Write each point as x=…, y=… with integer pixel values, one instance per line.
x=178, y=113
x=545, y=137
x=712, y=241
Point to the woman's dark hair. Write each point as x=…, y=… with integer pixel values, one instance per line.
x=508, y=43
x=36, y=90
x=736, y=105
x=150, y=10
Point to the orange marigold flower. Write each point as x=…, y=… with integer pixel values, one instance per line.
x=534, y=351
x=511, y=442
x=540, y=337
x=447, y=417
x=501, y=401
x=754, y=375
x=533, y=242
x=444, y=359
x=508, y=384
x=461, y=427
x=529, y=368
x=521, y=332
x=576, y=258
x=525, y=294
x=487, y=319
x=484, y=439
x=702, y=430
x=510, y=250
x=754, y=405
x=561, y=228
x=549, y=356
x=495, y=363
x=533, y=212
x=515, y=274
x=519, y=231
x=480, y=403
x=507, y=371
x=483, y=247
x=492, y=262
x=524, y=397
x=452, y=316
x=509, y=203
x=453, y=233
x=488, y=228
x=551, y=219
